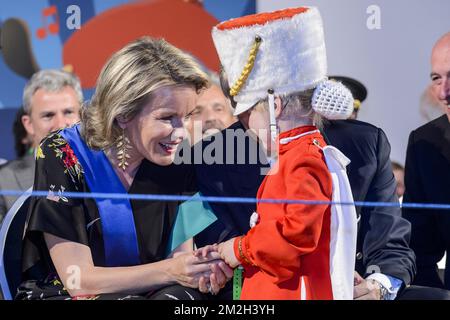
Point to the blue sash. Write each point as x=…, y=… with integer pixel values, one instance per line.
x=116, y=215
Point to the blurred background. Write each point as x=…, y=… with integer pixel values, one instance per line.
x=384, y=44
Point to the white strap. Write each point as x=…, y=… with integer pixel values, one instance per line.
x=272, y=119
x=343, y=227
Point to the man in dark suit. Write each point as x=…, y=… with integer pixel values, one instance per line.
x=427, y=178
x=17, y=174
x=383, y=236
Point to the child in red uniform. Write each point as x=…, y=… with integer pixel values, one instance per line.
x=276, y=68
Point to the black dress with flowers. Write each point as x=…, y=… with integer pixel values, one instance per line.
x=78, y=220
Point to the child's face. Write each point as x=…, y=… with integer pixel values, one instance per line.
x=258, y=122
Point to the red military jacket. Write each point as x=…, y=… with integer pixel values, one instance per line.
x=287, y=254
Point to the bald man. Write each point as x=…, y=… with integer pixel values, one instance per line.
x=427, y=177
x=440, y=72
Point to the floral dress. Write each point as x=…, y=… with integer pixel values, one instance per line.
x=78, y=219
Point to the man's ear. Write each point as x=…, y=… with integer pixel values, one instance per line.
x=277, y=107
x=26, y=121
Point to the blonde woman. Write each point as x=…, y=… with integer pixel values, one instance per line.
x=125, y=143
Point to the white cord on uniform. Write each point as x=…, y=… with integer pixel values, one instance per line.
x=272, y=119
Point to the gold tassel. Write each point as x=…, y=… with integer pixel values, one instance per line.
x=122, y=145
x=236, y=88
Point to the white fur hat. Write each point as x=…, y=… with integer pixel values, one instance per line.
x=283, y=51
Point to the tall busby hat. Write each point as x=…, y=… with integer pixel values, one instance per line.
x=279, y=53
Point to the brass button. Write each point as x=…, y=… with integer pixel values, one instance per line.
x=316, y=142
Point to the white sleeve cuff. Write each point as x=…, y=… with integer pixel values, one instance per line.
x=385, y=282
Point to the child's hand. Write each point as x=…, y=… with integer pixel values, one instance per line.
x=226, y=251
x=219, y=274
x=203, y=252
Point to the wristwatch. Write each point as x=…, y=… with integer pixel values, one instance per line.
x=384, y=293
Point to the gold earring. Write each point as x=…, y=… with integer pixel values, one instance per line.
x=122, y=145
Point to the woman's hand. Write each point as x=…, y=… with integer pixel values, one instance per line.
x=183, y=268
x=221, y=273
x=226, y=251
x=187, y=269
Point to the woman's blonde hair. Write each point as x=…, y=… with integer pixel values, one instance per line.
x=126, y=83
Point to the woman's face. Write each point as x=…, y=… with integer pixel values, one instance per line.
x=159, y=128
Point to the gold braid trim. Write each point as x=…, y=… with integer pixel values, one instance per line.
x=247, y=69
